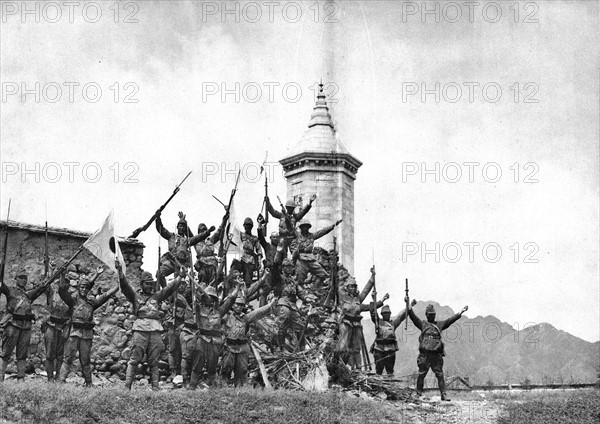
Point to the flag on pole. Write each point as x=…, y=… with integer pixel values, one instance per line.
x=235, y=231
x=103, y=244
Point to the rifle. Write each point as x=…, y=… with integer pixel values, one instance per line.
x=62, y=268
x=374, y=306
x=5, y=246
x=288, y=220
x=225, y=249
x=222, y=250
x=145, y=227
x=332, y=296
x=406, y=318
x=46, y=256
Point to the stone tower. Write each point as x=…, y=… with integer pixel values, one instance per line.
x=319, y=163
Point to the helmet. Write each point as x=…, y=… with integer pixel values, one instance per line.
x=386, y=309
x=351, y=281
x=430, y=310
x=202, y=228
x=241, y=299
x=290, y=204
x=304, y=223
x=22, y=272
x=274, y=234
x=287, y=262
x=248, y=221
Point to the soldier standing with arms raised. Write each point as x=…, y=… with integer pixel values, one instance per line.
x=17, y=321
x=147, y=328
x=431, y=347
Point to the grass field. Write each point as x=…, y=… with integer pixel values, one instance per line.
x=38, y=402
x=564, y=407
x=35, y=401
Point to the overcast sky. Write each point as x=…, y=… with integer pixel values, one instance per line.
x=538, y=62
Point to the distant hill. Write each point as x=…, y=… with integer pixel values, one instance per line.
x=487, y=349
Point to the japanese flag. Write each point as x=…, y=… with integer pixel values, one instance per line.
x=103, y=244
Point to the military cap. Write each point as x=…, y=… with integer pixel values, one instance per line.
x=274, y=234
x=290, y=204
x=287, y=262
x=146, y=277
x=237, y=265
x=182, y=221
x=304, y=223
x=351, y=281
x=85, y=282
x=430, y=310
x=211, y=291
x=22, y=272
x=202, y=228
x=248, y=221
x=386, y=309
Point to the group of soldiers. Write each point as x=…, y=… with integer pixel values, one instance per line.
x=210, y=313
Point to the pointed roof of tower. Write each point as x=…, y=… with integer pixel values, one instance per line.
x=321, y=136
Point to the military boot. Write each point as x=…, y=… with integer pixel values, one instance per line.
x=3, y=365
x=193, y=381
x=129, y=376
x=57, y=368
x=87, y=375
x=50, y=370
x=21, y=364
x=155, y=376
x=65, y=370
x=442, y=386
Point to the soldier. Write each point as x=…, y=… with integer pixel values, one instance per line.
x=83, y=306
x=351, y=337
x=174, y=323
x=206, y=345
x=204, y=244
x=288, y=318
x=273, y=258
x=304, y=246
x=58, y=326
x=250, y=247
x=179, y=244
x=385, y=346
x=287, y=231
x=431, y=347
x=16, y=321
x=147, y=328
x=237, y=324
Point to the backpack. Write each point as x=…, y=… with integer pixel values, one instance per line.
x=430, y=339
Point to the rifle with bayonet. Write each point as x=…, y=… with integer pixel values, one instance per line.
x=145, y=227
x=5, y=246
x=406, y=318
x=374, y=304
x=332, y=297
x=46, y=256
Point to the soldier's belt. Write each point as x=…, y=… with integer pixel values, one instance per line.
x=83, y=325
x=353, y=318
x=386, y=341
x=25, y=317
x=236, y=342
x=57, y=320
x=212, y=333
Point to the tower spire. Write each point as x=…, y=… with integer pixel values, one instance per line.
x=321, y=115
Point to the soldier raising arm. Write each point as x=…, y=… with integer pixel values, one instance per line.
x=431, y=347
x=82, y=325
x=147, y=328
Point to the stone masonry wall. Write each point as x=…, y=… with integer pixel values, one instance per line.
x=114, y=319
